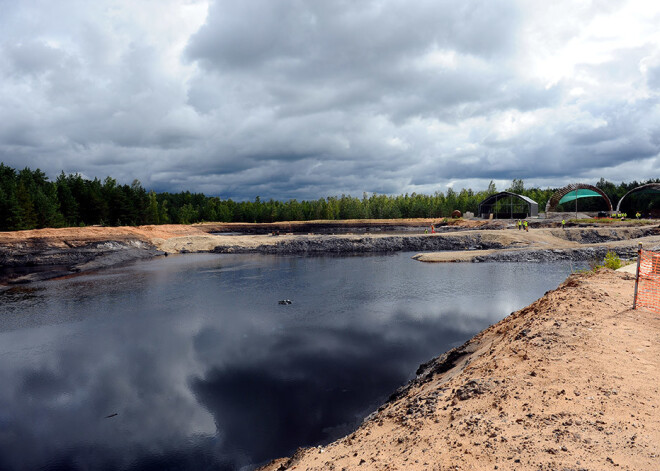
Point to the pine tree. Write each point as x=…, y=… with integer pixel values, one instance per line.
x=152, y=213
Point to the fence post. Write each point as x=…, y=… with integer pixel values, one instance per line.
x=639, y=259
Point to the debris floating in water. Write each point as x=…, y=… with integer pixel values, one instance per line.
x=111, y=415
x=285, y=301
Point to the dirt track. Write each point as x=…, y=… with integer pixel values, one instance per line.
x=569, y=383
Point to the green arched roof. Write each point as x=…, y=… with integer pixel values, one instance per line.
x=576, y=194
x=574, y=191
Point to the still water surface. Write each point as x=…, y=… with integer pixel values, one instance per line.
x=189, y=362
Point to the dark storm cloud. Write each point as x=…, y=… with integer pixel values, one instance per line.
x=301, y=58
x=305, y=99
x=260, y=32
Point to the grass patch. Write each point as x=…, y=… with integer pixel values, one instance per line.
x=611, y=261
x=632, y=222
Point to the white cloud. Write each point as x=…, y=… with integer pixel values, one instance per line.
x=297, y=98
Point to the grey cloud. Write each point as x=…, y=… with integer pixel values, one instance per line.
x=307, y=99
x=34, y=57
x=302, y=34
x=303, y=57
x=653, y=77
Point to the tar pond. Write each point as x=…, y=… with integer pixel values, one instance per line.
x=191, y=362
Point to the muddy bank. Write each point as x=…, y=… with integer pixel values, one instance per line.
x=73, y=250
x=463, y=240
x=366, y=244
x=593, y=236
x=358, y=226
x=578, y=254
x=34, y=255
x=569, y=382
x=37, y=261
x=548, y=245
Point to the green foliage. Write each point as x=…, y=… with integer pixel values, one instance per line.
x=491, y=188
x=612, y=261
x=606, y=221
x=187, y=214
x=592, y=221
x=153, y=215
x=517, y=186
x=28, y=200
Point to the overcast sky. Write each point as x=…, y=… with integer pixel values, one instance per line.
x=305, y=99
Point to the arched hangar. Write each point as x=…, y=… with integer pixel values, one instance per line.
x=644, y=189
x=507, y=205
x=574, y=192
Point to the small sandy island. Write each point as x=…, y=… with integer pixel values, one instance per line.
x=568, y=383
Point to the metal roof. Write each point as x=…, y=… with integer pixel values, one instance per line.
x=492, y=199
x=642, y=188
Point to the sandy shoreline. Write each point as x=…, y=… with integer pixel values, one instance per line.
x=75, y=250
x=458, y=246
x=569, y=382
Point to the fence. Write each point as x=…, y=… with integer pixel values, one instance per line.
x=647, y=284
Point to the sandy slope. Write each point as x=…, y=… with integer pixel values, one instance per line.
x=96, y=233
x=174, y=238
x=73, y=250
x=546, y=238
x=571, y=382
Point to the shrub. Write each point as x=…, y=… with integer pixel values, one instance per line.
x=612, y=260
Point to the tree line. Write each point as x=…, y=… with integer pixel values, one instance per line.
x=28, y=200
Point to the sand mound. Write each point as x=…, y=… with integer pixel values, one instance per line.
x=569, y=382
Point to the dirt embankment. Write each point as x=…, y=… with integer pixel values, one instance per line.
x=546, y=244
x=570, y=382
x=73, y=250
x=27, y=256
x=350, y=225
x=452, y=242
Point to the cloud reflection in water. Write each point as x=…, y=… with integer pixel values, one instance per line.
x=204, y=370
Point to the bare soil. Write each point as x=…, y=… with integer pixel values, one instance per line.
x=327, y=226
x=74, y=250
x=60, y=237
x=550, y=239
x=570, y=382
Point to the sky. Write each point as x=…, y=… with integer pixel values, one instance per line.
x=306, y=99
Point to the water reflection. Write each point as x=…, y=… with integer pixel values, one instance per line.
x=314, y=385
x=190, y=363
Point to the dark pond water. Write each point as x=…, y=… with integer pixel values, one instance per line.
x=189, y=362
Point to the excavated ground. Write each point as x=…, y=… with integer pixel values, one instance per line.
x=577, y=243
x=27, y=256
x=40, y=254
x=570, y=382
